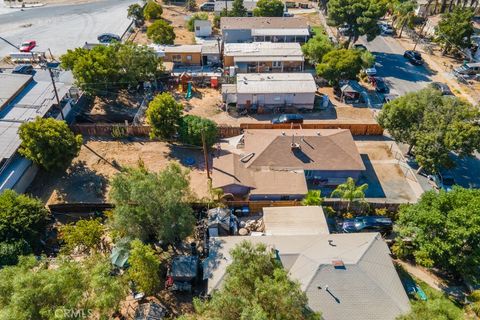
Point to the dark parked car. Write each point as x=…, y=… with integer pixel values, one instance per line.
x=414, y=57
x=108, y=37
x=288, y=118
x=368, y=224
x=23, y=69
x=207, y=6
x=442, y=87
x=381, y=86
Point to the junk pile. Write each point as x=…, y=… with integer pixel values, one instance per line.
x=221, y=222
x=251, y=226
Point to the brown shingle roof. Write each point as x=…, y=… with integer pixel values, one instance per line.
x=227, y=23
x=328, y=150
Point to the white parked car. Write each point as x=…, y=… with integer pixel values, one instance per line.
x=385, y=28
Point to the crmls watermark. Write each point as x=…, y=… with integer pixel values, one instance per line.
x=74, y=313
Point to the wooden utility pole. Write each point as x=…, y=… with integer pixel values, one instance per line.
x=56, y=93
x=205, y=155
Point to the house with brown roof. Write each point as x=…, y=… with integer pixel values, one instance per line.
x=264, y=29
x=276, y=164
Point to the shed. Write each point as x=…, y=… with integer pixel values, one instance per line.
x=219, y=222
x=300, y=220
x=203, y=28
x=184, y=268
x=351, y=91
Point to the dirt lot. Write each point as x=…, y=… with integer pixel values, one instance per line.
x=86, y=180
x=386, y=176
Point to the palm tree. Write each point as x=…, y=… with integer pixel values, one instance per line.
x=350, y=191
x=404, y=14
x=313, y=198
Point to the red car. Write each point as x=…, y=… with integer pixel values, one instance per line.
x=27, y=46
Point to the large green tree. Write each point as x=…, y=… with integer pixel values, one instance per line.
x=144, y=267
x=340, y=64
x=106, y=68
x=193, y=127
x=404, y=14
x=455, y=29
x=360, y=15
x=163, y=115
x=238, y=9
x=255, y=287
x=48, y=142
x=152, y=10
x=316, y=48
x=84, y=236
x=433, y=125
x=135, y=12
x=152, y=206
x=161, y=32
x=442, y=230
x=43, y=290
x=269, y=8
x=22, y=225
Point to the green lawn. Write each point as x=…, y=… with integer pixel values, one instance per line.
x=318, y=30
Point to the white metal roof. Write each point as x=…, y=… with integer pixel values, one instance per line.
x=256, y=49
x=257, y=83
x=299, y=220
x=280, y=32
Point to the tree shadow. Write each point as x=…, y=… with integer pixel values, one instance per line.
x=396, y=65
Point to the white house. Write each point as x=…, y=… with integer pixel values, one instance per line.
x=203, y=28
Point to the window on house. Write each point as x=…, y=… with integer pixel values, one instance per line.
x=189, y=58
x=277, y=64
x=197, y=28
x=176, y=58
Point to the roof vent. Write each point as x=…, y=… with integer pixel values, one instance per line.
x=295, y=146
x=330, y=242
x=318, y=133
x=283, y=133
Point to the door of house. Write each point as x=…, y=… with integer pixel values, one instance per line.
x=261, y=99
x=289, y=98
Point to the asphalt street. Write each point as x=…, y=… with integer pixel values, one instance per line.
x=400, y=76
x=63, y=27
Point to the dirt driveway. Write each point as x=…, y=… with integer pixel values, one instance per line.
x=86, y=179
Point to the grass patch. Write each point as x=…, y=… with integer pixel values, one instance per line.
x=318, y=30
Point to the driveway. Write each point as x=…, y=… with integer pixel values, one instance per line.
x=62, y=27
x=400, y=76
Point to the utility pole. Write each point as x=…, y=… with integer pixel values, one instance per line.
x=205, y=155
x=56, y=93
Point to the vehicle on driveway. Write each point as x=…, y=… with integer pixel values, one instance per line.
x=380, y=224
x=359, y=46
x=371, y=71
x=443, y=181
x=380, y=85
x=23, y=69
x=389, y=97
x=108, y=38
x=288, y=118
x=207, y=6
x=442, y=87
x=27, y=46
x=414, y=57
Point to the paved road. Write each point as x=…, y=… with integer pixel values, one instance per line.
x=63, y=27
x=401, y=76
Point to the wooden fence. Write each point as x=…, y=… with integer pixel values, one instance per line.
x=357, y=129
x=118, y=130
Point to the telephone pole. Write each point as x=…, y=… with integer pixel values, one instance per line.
x=56, y=92
x=205, y=155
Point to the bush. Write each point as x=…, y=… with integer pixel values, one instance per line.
x=10, y=251
x=196, y=16
x=163, y=115
x=152, y=10
x=191, y=128
x=160, y=32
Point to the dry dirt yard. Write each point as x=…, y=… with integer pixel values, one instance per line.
x=86, y=179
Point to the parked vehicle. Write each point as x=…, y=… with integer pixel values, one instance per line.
x=23, y=69
x=288, y=118
x=381, y=86
x=385, y=28
x=359, y=46
x=468, y=69
x=27, y=46
x=288, y=14
x=414, y=57
x=443, y=181
x=207, y=6
x=108, y=38
x=380, y=224
x=371, y=71
x=344, y=30
x=442, y=87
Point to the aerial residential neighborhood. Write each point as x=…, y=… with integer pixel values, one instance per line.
x=239, y=159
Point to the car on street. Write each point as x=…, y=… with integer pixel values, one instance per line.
x=288, y=118
x=381, y=86
x=27, y=46
x=108, y=38
x=207, y=6
x=414, y=57
x=23, y=69
x=359, y=46
x=386, y=29
x=442, y=87
x=380, y=224
x=443, y=181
